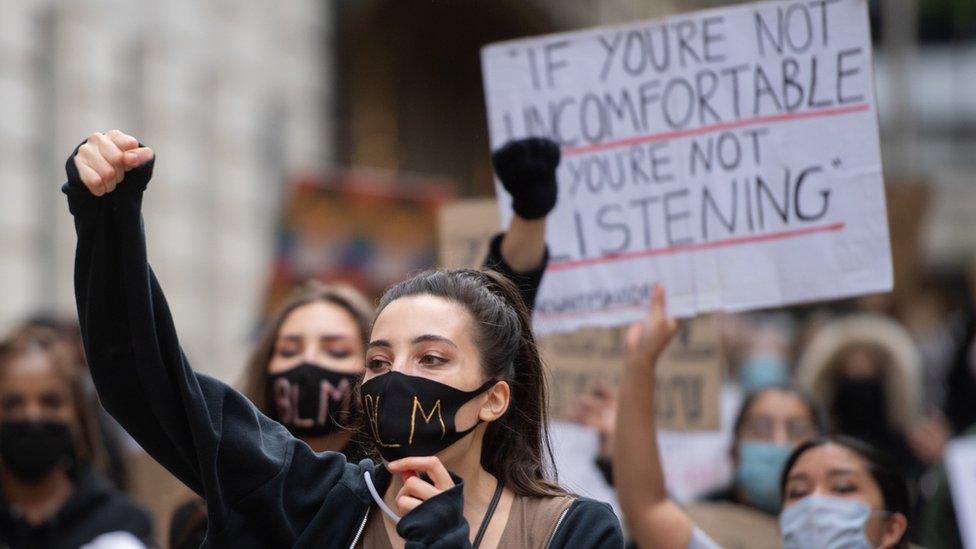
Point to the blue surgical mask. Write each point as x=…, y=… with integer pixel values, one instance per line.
x=826, y=523
x=760, y=371
x=757, y=474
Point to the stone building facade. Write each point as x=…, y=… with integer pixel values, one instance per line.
x=232, y=95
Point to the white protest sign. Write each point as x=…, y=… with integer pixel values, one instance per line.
x=960, y=464
x=730, y=155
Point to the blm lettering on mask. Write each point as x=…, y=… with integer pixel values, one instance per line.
x=373, y=414
x=414, y=416
x=287, y=398
x=311, y=400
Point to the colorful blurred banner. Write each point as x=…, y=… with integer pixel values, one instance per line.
x=367, y=228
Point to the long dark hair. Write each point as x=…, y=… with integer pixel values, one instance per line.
x=885, y=472
x=516, y=448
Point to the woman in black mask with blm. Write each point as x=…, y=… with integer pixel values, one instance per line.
x=454, y=382
x=51, y=494
x=313, y=351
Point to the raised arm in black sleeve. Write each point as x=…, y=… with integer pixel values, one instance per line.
x=263, y=487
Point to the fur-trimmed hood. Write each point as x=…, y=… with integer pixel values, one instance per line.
x=902, y=376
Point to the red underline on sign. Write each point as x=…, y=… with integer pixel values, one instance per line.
x=753, y=239
x=676, y=134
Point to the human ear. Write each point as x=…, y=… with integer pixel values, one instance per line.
x=496, y=403
x=894, y=528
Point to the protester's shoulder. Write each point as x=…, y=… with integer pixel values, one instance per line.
x=588, y=523
x=590, y=510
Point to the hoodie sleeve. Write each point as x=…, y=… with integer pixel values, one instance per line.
x=437, y=523
x=208, y=435
x=588, y=524
x=527, y=282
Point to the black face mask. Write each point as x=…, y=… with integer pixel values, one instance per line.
x=414, y=416
x=860, y=408
x=311, y=400
x=32, y=449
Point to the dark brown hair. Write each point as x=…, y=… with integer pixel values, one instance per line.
x=341, y=295
x=88, y=437
x=817, y=415
x=884, y=470
x=516, y=448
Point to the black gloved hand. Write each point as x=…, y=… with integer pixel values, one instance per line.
x=527, y=169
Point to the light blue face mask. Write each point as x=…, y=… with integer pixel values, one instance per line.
x=758, y=472
x=825, y=523
x=761, y=371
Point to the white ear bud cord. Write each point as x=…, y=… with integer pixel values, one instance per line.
x=379, y=501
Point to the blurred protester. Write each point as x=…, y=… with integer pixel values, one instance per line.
x=114, y=438
x=836, y=493
x=960, y=409
x=770, y=424
x=305, y=365
x=51, y=493
x=936, y=316
x=764, y=356
x=302, y=374
x=866, y=372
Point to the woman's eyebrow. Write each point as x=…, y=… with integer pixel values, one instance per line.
x=841, y=472
x=379, y=343
x=435, y=338
x=799, y=475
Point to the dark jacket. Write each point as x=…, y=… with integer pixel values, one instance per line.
x=94, y=508
x=264, y=488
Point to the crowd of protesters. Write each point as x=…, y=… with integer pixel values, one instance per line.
x=423, y=421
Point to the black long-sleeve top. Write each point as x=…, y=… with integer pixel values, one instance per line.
x=264, y=488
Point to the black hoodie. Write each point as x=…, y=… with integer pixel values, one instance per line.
x=264, y=488
x=94, y=508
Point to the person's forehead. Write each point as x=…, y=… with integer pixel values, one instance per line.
x=414, y=316
x=32, y=377
x=775, y=403
x=319, y=317
x=831, y=460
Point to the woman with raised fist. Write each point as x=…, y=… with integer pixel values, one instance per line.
x=312, y=353
x=454, y=382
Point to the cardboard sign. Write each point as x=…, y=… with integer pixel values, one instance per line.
x=689, y=375
x=730, y=155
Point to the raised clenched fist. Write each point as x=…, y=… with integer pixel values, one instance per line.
x=527, y=170
x=105, y=157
